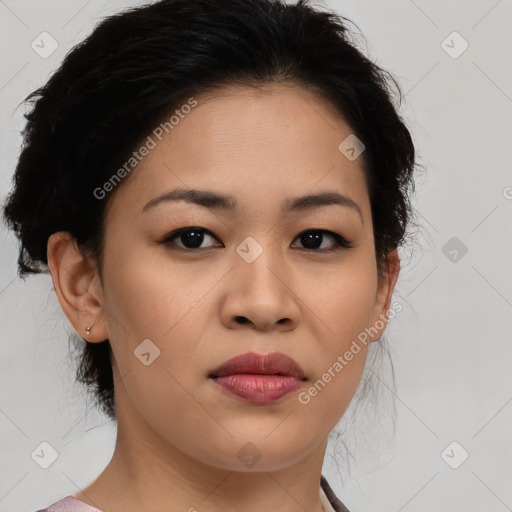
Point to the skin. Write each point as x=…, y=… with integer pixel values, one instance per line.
x=178, y=432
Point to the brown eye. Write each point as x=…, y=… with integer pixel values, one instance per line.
x=191, y=238
x=313, y=238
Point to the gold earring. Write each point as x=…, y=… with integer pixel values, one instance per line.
x=88, y=330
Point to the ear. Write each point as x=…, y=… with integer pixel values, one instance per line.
x=385, y=286
x=77, y=285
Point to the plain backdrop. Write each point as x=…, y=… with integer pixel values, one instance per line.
x=451, y=344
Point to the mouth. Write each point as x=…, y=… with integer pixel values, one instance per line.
x=259, y=379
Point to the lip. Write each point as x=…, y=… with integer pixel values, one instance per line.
x=259, y=378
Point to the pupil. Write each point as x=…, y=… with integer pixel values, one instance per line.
x=194, y=238
x=309, y=240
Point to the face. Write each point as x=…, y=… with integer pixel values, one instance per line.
x=255, y=277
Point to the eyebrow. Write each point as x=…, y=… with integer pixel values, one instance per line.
x=217, y=201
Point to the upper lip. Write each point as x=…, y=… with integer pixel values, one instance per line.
x=273, y=363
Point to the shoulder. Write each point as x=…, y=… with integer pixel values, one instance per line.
x=69, y=504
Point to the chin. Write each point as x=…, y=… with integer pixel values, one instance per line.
x=258, y=456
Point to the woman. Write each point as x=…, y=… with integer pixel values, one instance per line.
x=219, y=190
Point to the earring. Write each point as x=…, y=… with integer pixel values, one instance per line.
x=88, y=330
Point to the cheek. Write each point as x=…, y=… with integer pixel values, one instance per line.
x=341, y=302
x=152, y=297
x=150, y=300
x=337, y=307
x=341, y=307
x=340, y=353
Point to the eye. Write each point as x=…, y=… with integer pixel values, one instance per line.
x=314, y=237
x=191, y=239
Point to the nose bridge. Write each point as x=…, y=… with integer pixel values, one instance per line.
x=261, y=266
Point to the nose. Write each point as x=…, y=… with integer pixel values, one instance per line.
x=260, y=295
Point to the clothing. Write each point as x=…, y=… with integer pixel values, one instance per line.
x=70, y=504
x=332, y=499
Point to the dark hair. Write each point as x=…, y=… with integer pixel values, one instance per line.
x=136, y=67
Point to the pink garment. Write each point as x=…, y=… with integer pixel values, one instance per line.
x=70, y=504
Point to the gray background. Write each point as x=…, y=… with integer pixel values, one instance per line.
x=451, y=343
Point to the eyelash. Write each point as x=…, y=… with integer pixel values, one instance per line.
x=339, y=241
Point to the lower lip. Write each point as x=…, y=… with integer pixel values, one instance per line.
x=259, y=389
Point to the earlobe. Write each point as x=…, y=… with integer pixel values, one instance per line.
x=76, y=284
x=385, y=288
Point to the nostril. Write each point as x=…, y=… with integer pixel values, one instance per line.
x=241, y=319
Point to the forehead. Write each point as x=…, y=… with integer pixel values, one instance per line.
x=253, y=143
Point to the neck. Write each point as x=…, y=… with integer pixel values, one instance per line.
x=147, y=473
